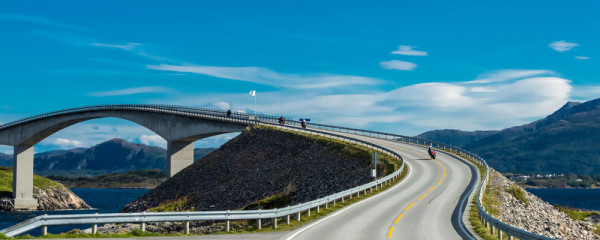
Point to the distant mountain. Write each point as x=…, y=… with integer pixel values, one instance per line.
x=566, y=141
x=116, y=155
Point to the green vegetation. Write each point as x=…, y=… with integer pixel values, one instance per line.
x=576, y=214
x=6, y=181
x=518, y=193
x=172, y=206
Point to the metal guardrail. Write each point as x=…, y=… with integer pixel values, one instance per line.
x=268, y=119
x=78, y=219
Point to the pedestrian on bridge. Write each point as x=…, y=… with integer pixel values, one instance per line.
x=303, y=124
x=229, y=113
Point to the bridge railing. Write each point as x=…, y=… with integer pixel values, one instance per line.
x=148, y=217
x=246, y=118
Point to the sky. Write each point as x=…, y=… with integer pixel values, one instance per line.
x=403, y=67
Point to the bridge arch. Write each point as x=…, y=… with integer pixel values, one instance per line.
x=180, y=127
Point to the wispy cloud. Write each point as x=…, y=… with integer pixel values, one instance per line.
x=131, y=91
x=409, y=51
x=40, y=20
x=507, y=98
x=153, y=140
x=562, y=46
x=65, y=143
x=398, y=65
x=127, y=46
x=269, y=77
x=582, y=57
x=509, y=74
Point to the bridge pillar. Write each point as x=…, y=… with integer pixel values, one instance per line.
x=23, y=178
x=180, y=154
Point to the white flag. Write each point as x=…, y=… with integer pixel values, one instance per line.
x=253, y=93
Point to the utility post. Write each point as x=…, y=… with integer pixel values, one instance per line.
x=375, y=161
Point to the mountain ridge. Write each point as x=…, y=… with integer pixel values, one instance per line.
x=112, y=156
x=562, y=142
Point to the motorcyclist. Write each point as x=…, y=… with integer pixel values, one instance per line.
x=303, y=124
x=229, y=113
x=431, y=152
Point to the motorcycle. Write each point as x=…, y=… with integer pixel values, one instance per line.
x=432, y=154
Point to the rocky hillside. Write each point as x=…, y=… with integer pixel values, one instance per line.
x=535, y=215
x=564, y=142
x=50, y=195
x=280, y=167
x=116, y=155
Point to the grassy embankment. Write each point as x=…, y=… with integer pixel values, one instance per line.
x=6, y=181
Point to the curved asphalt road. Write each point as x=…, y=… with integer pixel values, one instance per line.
x=420, y=207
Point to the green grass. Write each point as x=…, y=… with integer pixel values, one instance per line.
x=172, y=206
x=576, y=214
x=6, y=181
x=518, y=193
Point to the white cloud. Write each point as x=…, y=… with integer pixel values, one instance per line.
x=508, y=74
x=562, y=46
x=269, y=77
x=408, y=50
x=65, y=143
x=582, y=57
x=398, y=65
x=153, y=140
x=40, y=20
x=130, y=91
x=127, y=47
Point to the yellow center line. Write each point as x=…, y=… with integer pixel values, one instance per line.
x=432, y=188
x=439, y=164
x=398, y=218
x=406, y=209
x=390, y=233
x=443, y=176
x=440, y=181
x=422, y=196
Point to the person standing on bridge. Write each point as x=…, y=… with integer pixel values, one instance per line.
x=303, y=124
x=229, y=113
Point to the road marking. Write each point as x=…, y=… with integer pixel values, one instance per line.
x=440, y=181
x=439, y=164
x=422, y=196
x=390, y=233
x=443, y=176
x=406, y=209
x=293, y=235
x=398, y=218
x=432, y=188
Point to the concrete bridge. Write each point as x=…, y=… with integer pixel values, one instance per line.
x=180, y=126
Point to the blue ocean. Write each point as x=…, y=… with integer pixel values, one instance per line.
x=588, y=199
x=103, y=200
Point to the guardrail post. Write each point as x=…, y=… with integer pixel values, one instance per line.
x=287, y=221
x=308, y=212
x=317, y=209
x=187, y=227
x=94, y=229
x=227, y=226
x=342, y=199
x=259, y=222
x=143, y=227
x=298, y=216
x=492, y=229
x=275, y=223
x=510, y=237
x=327, y=205
x=334, y=202
x=44, y=230
x=499, y=234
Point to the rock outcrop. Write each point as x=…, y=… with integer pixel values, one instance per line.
x=537, y=216
x=258, y=164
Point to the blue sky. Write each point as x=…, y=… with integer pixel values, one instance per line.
x=395, y=66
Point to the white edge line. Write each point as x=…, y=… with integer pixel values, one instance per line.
x=349, y=207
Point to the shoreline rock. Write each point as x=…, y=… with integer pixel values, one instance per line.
x=537, y=216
